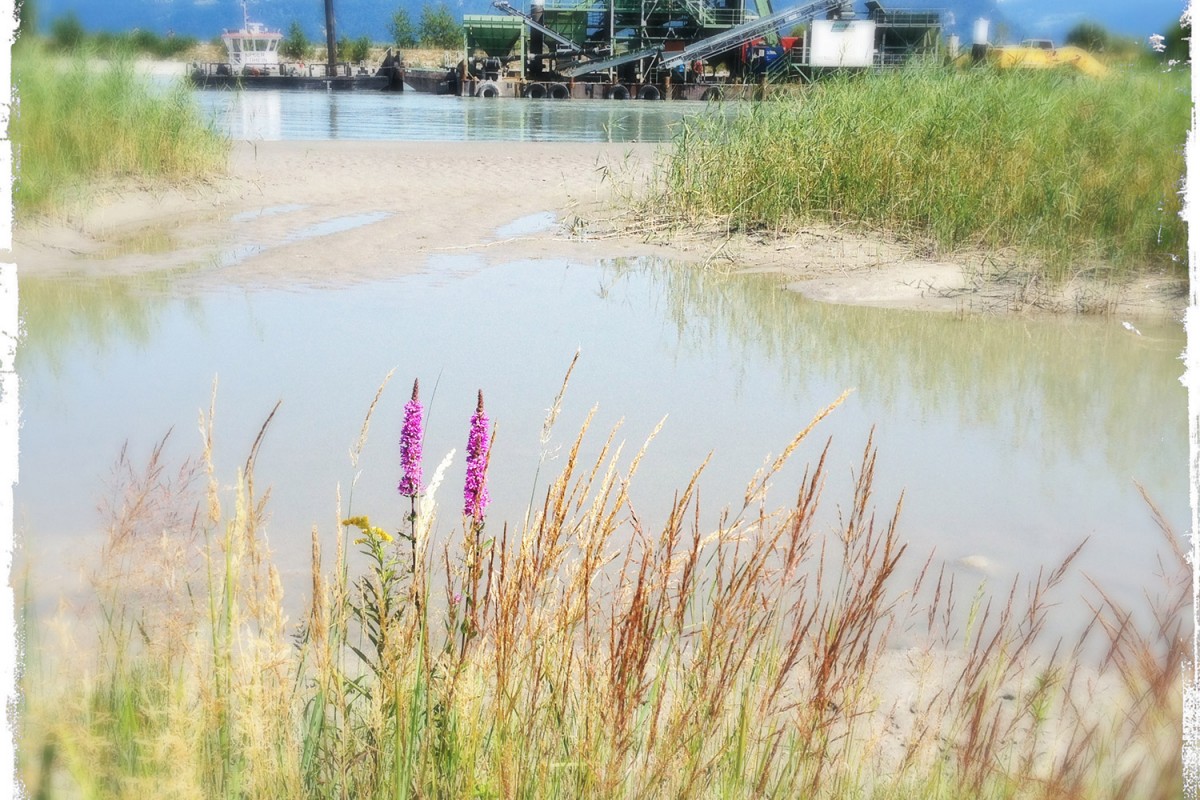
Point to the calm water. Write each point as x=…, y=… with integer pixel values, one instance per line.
x=299, y=115
x=1012, y=439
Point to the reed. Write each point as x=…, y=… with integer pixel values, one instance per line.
x=586, y=654
x=1076, y=173
x=77, y=124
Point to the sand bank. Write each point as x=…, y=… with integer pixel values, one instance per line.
x=332, y=212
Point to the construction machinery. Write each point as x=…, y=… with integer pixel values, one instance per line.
x=1037, y=54
x=675, y=49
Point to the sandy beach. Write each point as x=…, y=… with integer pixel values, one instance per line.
x=334, y=212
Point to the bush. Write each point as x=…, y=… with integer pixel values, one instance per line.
x=145, y=41
x=174, y=45
x=26, y=18
x=354, y=50
x=67, y=32
x=360, y=49
x=140, y=41
x=295, y=45
x=1090, y=36
x=1178, y=37
x=402, y=30
x=438, y=27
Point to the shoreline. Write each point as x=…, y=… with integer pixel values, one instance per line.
x=333, y=212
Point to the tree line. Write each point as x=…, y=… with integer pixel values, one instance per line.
x=436, y=29
x=1095, y=38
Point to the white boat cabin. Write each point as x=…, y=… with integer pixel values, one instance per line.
x=253, y=48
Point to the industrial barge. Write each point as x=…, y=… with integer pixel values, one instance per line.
x=253, y=62
x=672, y=49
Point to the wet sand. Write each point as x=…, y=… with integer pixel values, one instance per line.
x=333, y=212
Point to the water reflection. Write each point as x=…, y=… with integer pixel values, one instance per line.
x=1012, y=439
x=1070, y=385
x=255, y=115
x=410, y=116
x=61, y=317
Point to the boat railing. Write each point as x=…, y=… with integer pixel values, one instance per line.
x=289, y=69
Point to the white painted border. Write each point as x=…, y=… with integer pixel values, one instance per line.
x=1191, y=379
x=9, y=413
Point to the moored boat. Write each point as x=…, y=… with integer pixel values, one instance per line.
x=253, y=62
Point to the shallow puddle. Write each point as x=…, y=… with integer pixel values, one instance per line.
x=268, y=211
x=329, y=227
x=1010, y=439
x=236, y=254
x=528, y=225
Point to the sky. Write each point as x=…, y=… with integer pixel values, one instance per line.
x=205, y=19
x=1138, y=18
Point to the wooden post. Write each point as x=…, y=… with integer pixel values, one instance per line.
x=330, y=41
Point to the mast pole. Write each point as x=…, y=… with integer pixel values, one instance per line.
x=330, y=40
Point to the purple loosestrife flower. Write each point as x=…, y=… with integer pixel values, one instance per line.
x=410, y=445
x=475, y=493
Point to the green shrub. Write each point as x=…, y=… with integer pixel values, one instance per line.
x=1090, y=36
x=66, y=32
x=26, y=18
x=403, y=33
x=295, y=45
x=1177, y=40
x=354, y=50
x=438, y=27
x=360, y=49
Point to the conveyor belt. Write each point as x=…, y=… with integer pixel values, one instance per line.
x=609, y=63
x=508, y=8
x=746, y=32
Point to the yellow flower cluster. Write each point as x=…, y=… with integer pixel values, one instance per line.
x=369, y=530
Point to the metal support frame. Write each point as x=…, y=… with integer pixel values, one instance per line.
x=509, y=9
x=746, y=32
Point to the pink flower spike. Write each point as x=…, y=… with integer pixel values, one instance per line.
x=475, y=492
x=410, y=445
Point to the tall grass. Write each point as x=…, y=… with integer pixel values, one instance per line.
x=77, y=123
x=585, y=655
x=1071, y=170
